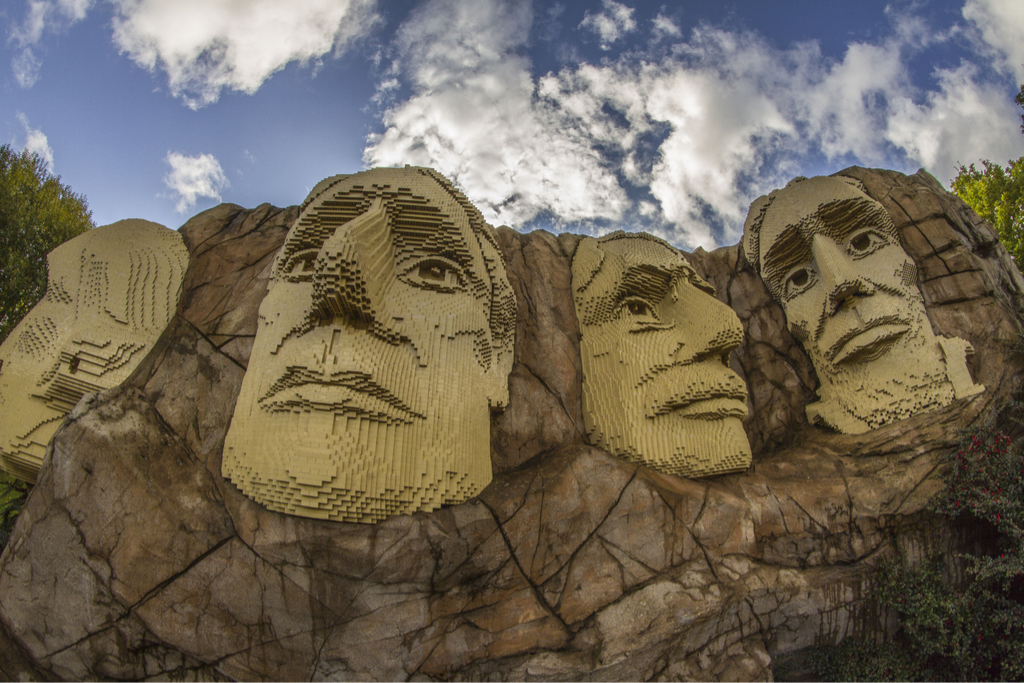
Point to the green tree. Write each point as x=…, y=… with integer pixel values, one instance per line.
x=997, y=195
x=37, y=213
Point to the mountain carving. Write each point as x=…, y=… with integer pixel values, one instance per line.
x=135, y=558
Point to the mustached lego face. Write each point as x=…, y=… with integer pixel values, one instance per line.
x=377, y=360
x=655, y=347
x=110, y=293
x=848, y=288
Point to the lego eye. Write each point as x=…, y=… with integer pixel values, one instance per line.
x=299, y=266
x=637, y=308
x=865, y=242
x=798, y=280
x=436, y=273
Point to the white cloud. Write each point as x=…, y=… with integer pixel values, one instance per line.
x=1001, y=23
x=962, y=122
x=720, y=120
x=40, y=16
x=613, y=23
x=36, y=142
x=192, y=177
x=26, y=68
x=205, y=46
x=31, y=30
x=665, y=27
x=678, y=139
x=473, y=116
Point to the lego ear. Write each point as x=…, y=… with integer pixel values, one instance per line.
x=496, y=349
x=499, y=365
x=496, y=382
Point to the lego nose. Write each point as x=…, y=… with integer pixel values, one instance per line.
x=711, y=333
x=341, y=286
x=839, y=275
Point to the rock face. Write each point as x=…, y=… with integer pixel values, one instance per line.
x=134, y=558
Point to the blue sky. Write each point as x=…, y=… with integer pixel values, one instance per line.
x=586, y=116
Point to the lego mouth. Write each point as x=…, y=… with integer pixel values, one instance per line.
x=865, y=344
x=715, y=408
x=710, y=399
x=353, y=393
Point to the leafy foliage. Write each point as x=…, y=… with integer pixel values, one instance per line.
x=997, y=195
x=855, y=660
x=969, y=634
x=37, y=213
x=12, y=496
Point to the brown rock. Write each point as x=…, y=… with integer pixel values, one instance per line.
x=546, y=385
x=135, y=559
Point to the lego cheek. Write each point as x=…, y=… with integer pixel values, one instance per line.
x=907, y=273
x=798, y=329
x=285, y=311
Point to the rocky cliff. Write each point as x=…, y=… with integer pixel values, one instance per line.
x=134, y=558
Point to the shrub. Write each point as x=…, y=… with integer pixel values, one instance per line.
x=13, y=493
x=974, y=633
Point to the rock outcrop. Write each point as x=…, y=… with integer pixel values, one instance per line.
x=134, y=558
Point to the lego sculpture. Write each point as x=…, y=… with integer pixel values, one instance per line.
x=384, y=343
x=830, y=255
x=110, y=293
x=655, y=344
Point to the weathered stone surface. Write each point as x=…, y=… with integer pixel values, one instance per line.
x=134, y=558
x=547, y=377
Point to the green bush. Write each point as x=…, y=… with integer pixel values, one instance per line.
x=13, y=493
x=974, y=633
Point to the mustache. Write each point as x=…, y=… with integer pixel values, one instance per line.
x=680, y=386
x=836, y=347
x=372, y=397
x=873, y=298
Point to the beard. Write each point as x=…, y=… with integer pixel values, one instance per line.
x=878, y=361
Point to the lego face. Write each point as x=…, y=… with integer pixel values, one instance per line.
x=655, y=346
x=848, y=289
x=110, y=293
x=831, y=256
x=375, y=366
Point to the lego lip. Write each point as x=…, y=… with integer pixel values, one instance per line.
x=708, y=402
x=867, y=343
x=715, y=408
x=354, y=393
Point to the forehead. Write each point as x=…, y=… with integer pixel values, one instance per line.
x=420, y=215
x=633, y=263
x=833, y=209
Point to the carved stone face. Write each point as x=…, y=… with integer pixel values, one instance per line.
x=831, y=256
x=110, y=293
x=655, y=344
x=384, y=341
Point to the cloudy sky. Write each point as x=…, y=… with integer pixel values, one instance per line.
x=585, y=115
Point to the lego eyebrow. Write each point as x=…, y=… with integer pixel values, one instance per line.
x=789, y=249
x=842, y=218
x=646, y=280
